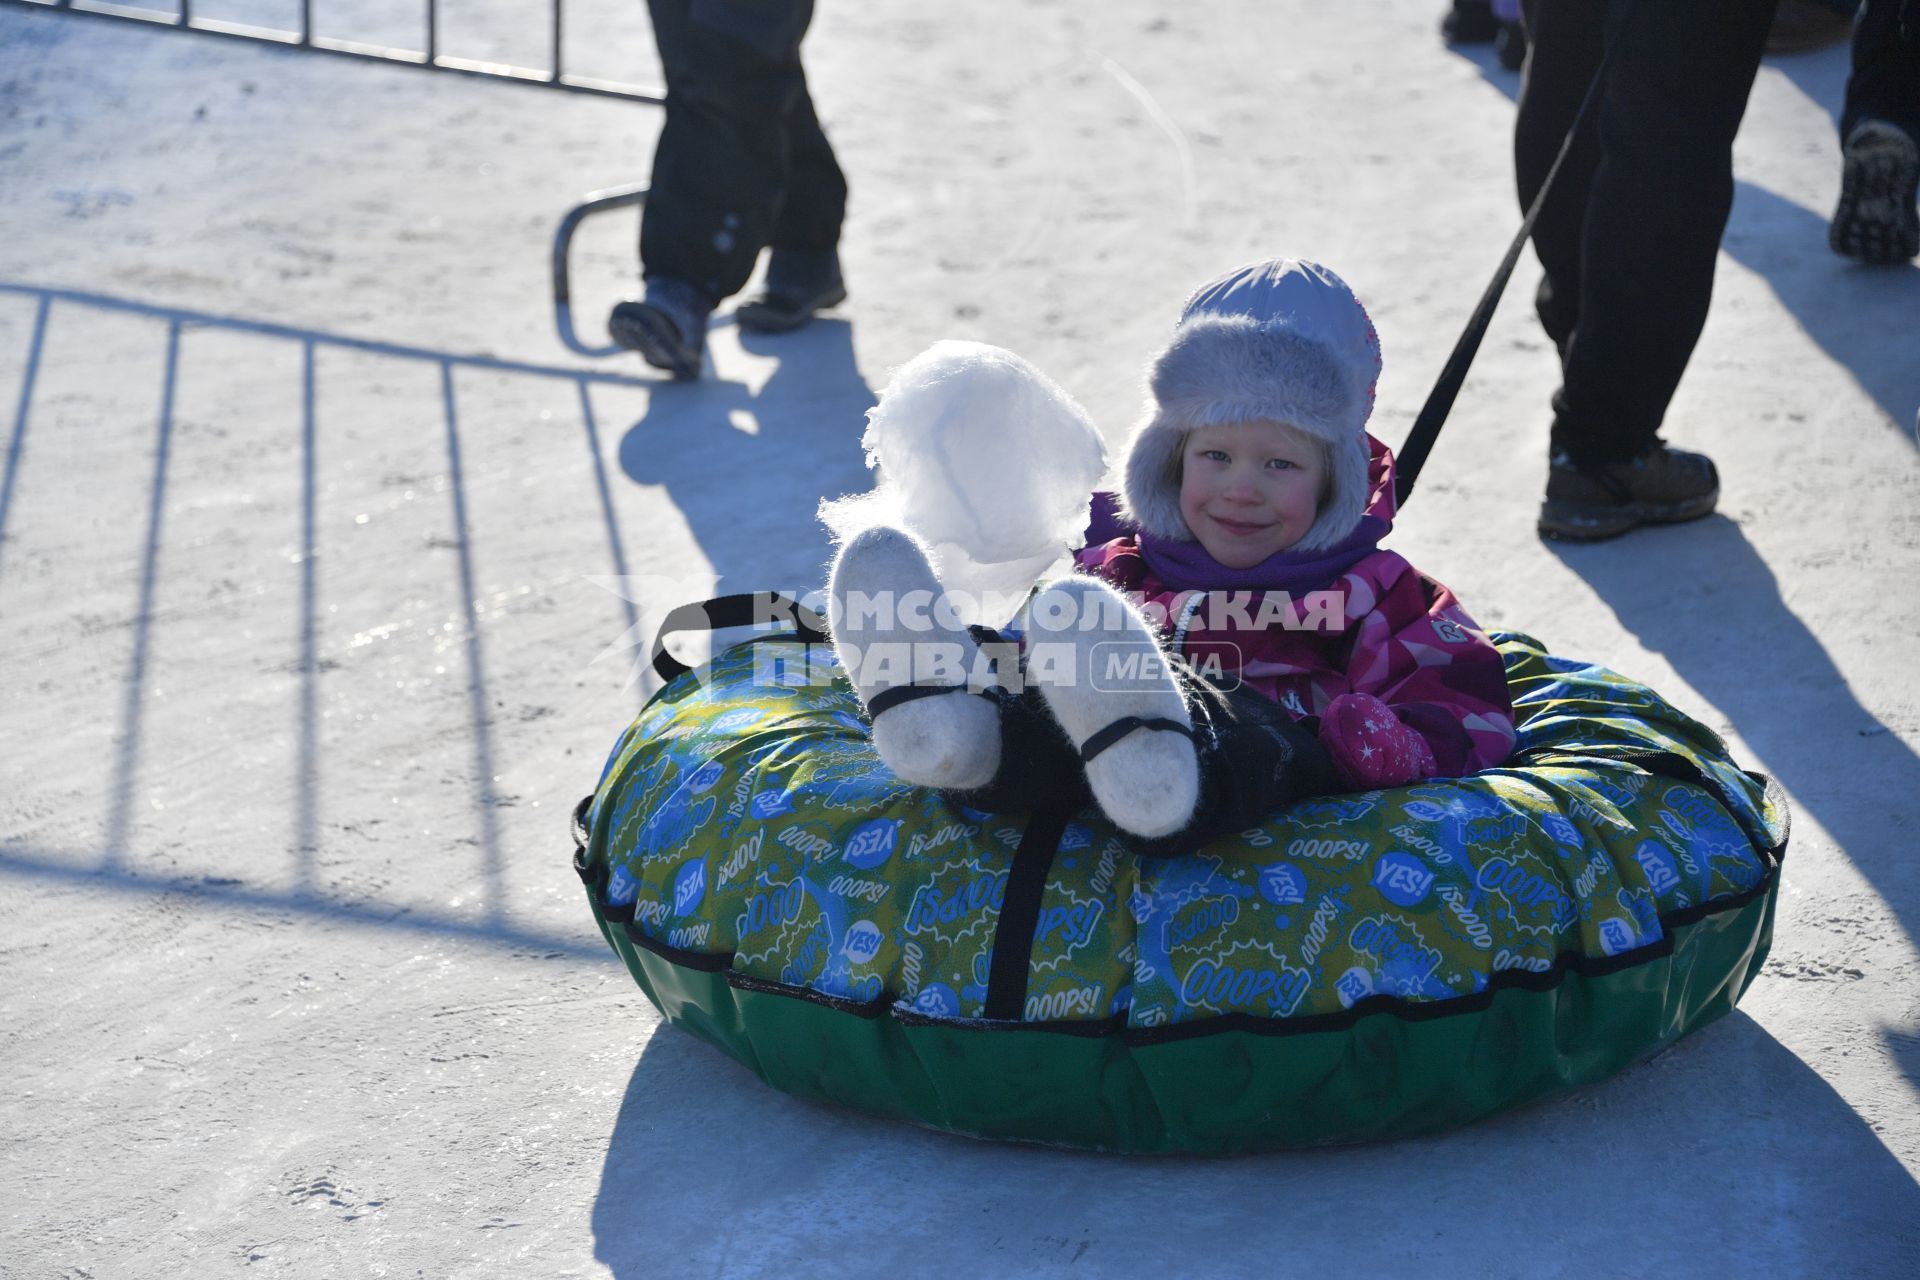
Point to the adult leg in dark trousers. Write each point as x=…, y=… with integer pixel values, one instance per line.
x=803, y=272
x=741, y=164
x=1629, y=236
x=1880, y=138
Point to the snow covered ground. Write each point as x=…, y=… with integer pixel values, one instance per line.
x=303, y=507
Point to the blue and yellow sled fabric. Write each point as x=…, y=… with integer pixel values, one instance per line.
x=1359, y=967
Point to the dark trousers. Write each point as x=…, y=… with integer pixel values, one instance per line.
x=1885, y=84
x=742, y=162
x=1629, y=234
x=1255, y=759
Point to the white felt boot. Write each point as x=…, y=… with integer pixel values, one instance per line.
x=887, y=632
x=1147, y=781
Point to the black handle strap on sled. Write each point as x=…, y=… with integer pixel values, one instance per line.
x=1433, y=414
x=751, y=609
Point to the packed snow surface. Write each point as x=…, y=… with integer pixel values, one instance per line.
x=323, y=563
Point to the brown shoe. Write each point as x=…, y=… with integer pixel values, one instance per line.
x=1663, y=486
x=1800, y=26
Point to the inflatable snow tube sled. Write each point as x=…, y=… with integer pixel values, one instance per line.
x=1361, y=967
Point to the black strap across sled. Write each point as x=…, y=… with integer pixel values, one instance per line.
x=1413, y=451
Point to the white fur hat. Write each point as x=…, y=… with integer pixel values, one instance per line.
x=1282, y=341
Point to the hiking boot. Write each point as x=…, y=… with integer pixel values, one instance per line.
x=1662, y=486
x=799, y=283
x=1876, y=221
x=668, y=327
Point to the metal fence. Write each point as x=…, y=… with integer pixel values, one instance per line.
x=429, y=58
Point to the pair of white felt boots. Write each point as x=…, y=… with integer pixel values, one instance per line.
x=920, y=678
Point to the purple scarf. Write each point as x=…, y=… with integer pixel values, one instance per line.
x=1185, y=566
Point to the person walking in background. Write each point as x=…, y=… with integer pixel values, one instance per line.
x=1628, y=238
x=1876, y=220
x=742, y=164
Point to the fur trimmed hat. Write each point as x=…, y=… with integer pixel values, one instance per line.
x=1281, y=341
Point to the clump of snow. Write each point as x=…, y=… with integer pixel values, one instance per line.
x=988, y=462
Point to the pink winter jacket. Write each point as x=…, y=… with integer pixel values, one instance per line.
x=1380, y=627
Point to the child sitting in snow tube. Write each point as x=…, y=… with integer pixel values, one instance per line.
x=1309, y=660
x=1543, y=873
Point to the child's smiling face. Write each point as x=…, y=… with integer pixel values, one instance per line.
x=1249, y=490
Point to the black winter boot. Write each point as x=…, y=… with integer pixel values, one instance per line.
x=1877, y=221
x=799, y=283
x=668, y=327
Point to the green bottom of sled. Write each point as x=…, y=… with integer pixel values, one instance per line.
x=1221, y=1091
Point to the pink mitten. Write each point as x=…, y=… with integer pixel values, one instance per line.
x=1369, y=745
